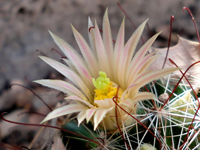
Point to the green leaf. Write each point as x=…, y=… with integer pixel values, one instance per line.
x=76, y=142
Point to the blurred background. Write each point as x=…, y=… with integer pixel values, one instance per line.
x=24, y=26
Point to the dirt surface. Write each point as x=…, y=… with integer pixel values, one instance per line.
x=24, y=26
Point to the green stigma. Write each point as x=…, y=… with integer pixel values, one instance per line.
x=102, y=82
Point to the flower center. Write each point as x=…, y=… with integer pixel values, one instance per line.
x=105, y=88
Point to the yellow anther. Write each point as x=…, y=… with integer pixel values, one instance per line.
x=105, y=89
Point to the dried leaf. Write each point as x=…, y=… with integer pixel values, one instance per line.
x=184, y=53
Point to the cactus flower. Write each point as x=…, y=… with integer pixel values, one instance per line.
x=103, y=70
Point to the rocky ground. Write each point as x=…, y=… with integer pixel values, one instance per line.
x=24, y=26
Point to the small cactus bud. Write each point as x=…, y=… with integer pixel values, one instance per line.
x=163, y=97
x=147, y=146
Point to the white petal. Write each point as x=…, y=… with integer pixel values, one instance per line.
x=147, y=62
x=76, y=59
x=132, y=43
x=90, y=113
x=141, y=67
x=153, y=76
x=70, y=65
x=76, y=98
x=89, y=57
x=68, y=73
x=128, y=103
x=143, y=96
x=107, y=38
x=128, y=51
x=101, y=53
x=99, y=115
x=139, y=55
x=145, y=78
x=68, y=109
x=105, y=104
x=143, y=50
x=81, y=117
x=91, y=34
x=62, y=86
x=128, y=89
x=119, y=46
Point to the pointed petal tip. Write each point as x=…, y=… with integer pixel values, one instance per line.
x=96, y=28
x=87, y=120
x=105, y=17
x=153, y=38
x=156, y=35
x=141, y=26
x=124, y=19
x=95, y=127
x=41, y=81
x=79, y=122
x=45, y=119
x=73, y=29
x=123, y=22
x=42, y=122
x=55, y=37
x=51, y=33
x=36, y=81
x=159, y=32
x=72, y=26
x=106, y=9
x=90, y=24
x=145, y=22
x=42, y=57
x=95, y=22
x=106, y=12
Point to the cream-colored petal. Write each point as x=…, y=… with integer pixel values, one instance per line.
x=127, y=55
x=145, y=78
x=147, y=62
x=101, y=53
x=105, y=104
x=107, y=39
x=62, y=86
x=124, y=94
x=139, y=55
x=128, y=103
x=81, y=116
x=119, y=45
x=82, y=100
x=99, y=115
x=70, y=65
x=75, y=58
x=153, y=76
x=68, y=109
x=91, y=34
x=68, y=73
x=142, y=66
x=90, y=113
x=143, y=50
x=87, y=53
x=143, y=96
